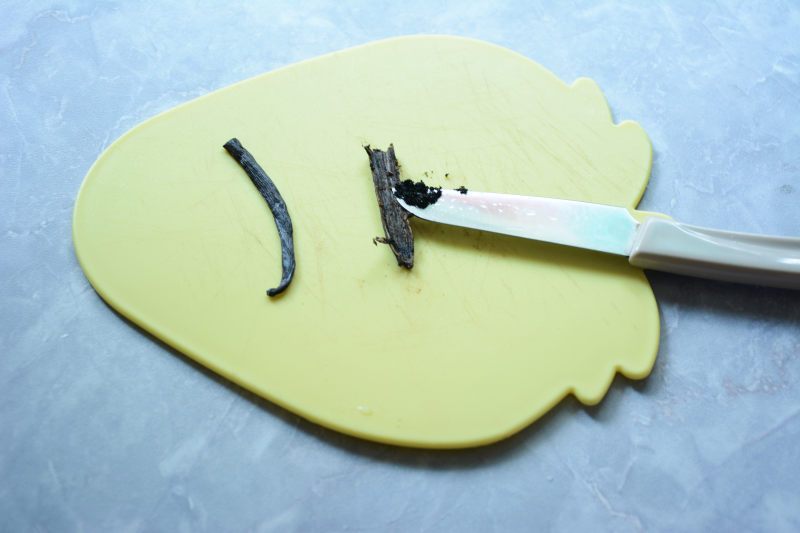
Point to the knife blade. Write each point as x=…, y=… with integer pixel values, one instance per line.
x=649, y=240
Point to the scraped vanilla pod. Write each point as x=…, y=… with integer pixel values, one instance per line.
x=385, y=177
x=276, y=204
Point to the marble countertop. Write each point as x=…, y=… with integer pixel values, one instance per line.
x=105, y=429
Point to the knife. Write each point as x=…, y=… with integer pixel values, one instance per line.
x=648, y=240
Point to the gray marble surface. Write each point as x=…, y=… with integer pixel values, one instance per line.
x=102, y=428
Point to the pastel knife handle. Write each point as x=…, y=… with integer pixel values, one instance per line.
x=662, y=244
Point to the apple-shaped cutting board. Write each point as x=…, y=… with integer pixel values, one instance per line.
x=483, y=336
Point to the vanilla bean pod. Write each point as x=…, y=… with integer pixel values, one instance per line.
x=385, y=177
x=276, y=204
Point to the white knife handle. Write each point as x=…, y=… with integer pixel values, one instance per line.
x=662, y=244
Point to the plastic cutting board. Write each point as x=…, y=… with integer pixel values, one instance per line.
x=483, y=336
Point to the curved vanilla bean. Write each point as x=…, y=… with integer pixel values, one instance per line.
x=276, y=204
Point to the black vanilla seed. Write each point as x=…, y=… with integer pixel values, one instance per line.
x=416, y=193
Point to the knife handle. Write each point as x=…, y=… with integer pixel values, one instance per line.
x=661, y=244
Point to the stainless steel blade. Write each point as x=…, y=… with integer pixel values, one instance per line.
x=604, y=228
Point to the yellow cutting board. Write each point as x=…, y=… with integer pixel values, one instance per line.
x=483, y=336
